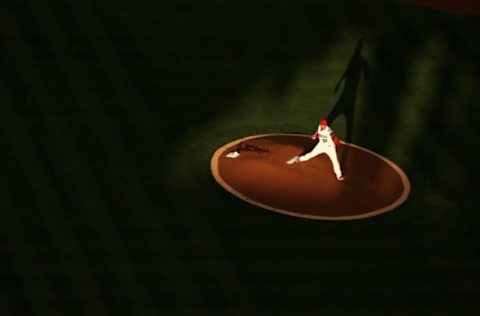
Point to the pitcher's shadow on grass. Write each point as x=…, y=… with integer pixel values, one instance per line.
x=346, y=103
x=348, y=99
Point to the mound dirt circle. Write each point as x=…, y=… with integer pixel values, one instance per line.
x=259, y=175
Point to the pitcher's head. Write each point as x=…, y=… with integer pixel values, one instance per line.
x=323, y=122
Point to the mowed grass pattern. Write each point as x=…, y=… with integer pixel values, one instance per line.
x=110, y=112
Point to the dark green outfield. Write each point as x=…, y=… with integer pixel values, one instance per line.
x=111, y=110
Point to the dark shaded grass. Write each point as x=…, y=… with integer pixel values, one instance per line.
x=94, y=100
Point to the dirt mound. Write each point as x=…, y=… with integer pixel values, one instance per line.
x=260, y=175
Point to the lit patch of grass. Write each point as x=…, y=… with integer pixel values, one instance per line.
x=308, y=97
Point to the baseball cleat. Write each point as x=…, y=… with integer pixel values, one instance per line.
x=293, y=160
x=340, y=178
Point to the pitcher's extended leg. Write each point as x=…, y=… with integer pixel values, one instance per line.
x=317, y=150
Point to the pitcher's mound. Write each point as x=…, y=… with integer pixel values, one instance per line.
x=259, y=175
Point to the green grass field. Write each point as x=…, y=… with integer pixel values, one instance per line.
x=110, y=112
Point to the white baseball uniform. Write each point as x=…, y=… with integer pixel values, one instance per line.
x=325, y=146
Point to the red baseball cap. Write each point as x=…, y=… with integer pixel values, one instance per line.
x=323, y=121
